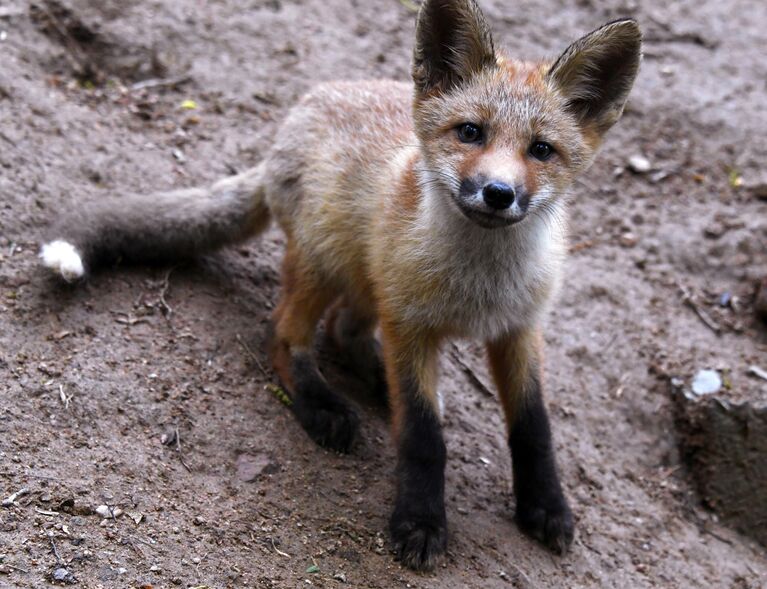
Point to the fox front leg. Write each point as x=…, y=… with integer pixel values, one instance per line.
x=542, y=510
x=418, y=524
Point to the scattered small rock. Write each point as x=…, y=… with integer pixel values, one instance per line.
x=628, y=239
x=706, y=382
x=340, y=577
x=62, y=575
x=108, y=512
x=639, y=164
x=169, y=437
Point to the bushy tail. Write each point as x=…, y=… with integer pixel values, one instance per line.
x=160, y=227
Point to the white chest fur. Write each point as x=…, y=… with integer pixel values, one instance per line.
x=484, y=282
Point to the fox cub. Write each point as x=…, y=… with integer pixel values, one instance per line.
x=430, y=210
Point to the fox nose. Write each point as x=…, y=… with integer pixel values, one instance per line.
x=498, y=195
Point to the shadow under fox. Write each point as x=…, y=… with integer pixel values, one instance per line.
x=431, y=210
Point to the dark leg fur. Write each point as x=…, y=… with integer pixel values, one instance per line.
x=542, y=509
x=418, y=524
x=327, y=418
x=351, y=333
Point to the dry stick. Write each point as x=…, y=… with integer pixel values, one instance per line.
x=702, y=315
x=5, y=137
x=11, y=499
x=178, y=449
x=161, y=82
x=55, y=552
x=252, y=355
x=278, y=551
x=467, y=370
x=65, y=399
x=167, y=309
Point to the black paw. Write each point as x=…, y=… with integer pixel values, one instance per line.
x=550, y=524
x=332, y=423
x=419, y=543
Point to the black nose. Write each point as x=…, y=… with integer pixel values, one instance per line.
x=498, y=195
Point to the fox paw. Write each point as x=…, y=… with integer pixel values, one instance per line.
x=419, y=544
x=551, y=525
x=332, y=423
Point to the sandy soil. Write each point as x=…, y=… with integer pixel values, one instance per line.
x=95, y=378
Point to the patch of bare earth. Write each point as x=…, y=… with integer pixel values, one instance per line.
x=141, y=390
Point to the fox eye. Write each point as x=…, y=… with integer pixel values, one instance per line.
x=541, y=150
x=469, y=133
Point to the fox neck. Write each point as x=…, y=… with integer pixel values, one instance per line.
x=510, y=273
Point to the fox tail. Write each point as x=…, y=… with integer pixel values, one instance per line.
x=159, y=227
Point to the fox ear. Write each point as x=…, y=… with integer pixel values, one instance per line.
x=596, y=73
x=453, y=42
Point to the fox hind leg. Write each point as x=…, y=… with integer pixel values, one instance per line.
x=350, y=329
x=327, y=417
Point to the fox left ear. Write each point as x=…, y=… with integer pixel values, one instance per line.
x=453, y=42
x=596, y=73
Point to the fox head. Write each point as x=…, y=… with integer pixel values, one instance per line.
x=504, y=137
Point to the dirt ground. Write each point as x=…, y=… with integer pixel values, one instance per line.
x=142, y=391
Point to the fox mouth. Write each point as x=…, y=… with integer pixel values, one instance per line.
x=489, y=219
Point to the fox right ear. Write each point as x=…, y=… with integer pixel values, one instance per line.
x=453, y=42
x=596, y=73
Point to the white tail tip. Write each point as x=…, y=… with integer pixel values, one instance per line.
x=64, y=259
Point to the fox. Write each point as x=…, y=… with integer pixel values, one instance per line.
x=414, y=213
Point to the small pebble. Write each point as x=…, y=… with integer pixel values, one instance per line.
x=62, y=575
x=629, y=239
x=706, y=382
x=639, y=164
x=108, y=512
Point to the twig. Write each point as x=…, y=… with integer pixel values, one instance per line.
x=161, y=82
x=252, y=355
x=167, y=310
x=65, y=399
x=55, y=552
x=7, y=139
x=11, y=499
x=702, y=315
x=467, y=370
x=178, y=449
x=278, y=551
x=717, y=536
x=46, y=512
